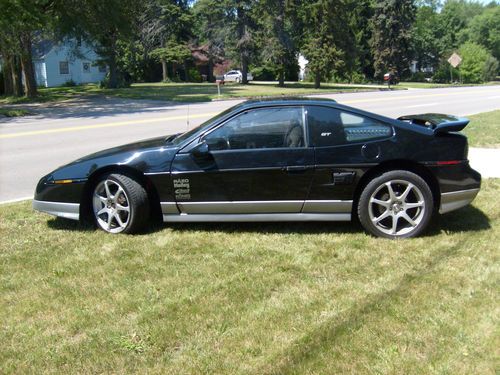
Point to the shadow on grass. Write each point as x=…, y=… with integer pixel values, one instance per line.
x=336, y=331
x=468, y=219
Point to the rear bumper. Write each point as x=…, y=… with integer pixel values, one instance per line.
x=65, y=210
x=456, y=199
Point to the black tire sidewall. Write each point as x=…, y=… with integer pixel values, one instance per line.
x=419, y=182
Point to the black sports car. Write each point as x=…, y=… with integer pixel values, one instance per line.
x=288, y=159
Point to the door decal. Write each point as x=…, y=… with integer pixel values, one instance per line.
x=182, y=188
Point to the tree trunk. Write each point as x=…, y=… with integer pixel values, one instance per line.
x=164, y=71
x=244, y=69
x=281, y=82
x=210, y=77
x=27, y=66
x=186, y=75
x=317, y=80
x=8, y=84
x=113, y=73
x=17, y=83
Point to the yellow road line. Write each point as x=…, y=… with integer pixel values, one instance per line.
x=105, y=125
x=201, y=115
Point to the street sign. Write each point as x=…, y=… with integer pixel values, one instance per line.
x=455, y=60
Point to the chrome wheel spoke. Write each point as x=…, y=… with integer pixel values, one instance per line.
x=106, y=187
x=110, y=219
x=381, y=217
x=407, y=191
x=119, y=207
x=392, y=195
x=102, y=211
x=394, y=228
x=414, y=205
x=119, y=220
x=405, y=216
x=385, y=204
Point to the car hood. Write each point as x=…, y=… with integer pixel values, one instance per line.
x=148, y=156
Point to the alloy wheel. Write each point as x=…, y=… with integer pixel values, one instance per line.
x=111, y=206
x=397, y=207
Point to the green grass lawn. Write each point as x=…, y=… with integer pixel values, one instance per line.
x=299, y=298
x=13, y=112
x=433, y=85
x=484, y=130
x=185, y=92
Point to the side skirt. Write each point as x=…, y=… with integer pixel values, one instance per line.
x=193, y=218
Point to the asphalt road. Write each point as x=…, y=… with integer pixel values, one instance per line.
x=33, y=146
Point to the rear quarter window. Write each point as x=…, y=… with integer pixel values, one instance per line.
x=333, y=127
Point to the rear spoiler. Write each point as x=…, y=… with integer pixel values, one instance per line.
x=438, y=122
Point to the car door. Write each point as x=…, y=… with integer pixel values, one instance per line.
x=346, y=144
x=256, y=162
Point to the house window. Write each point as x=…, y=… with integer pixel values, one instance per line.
x=86, y=67
x=102, y=68
x=63, y=67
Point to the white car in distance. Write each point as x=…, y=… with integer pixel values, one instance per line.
x=236, y=76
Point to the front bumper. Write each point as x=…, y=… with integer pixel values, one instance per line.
x=65, y=210
x=456, y=199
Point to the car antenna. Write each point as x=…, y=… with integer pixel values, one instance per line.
x=187, y=119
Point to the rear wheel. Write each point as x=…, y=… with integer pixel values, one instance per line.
x=120, y=204
x=397, y=204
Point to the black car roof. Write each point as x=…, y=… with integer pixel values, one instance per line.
x=284, y=100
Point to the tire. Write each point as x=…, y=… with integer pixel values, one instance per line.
x=396, y=204
x=119, y=204
x=238, y=80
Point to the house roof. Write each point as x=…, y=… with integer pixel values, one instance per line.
x=41, y=48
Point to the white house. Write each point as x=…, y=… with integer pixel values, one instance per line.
x=58, y=63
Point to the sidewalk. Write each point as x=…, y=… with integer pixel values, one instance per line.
x=486, y=161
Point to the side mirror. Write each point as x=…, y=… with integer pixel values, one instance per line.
x=201, y=151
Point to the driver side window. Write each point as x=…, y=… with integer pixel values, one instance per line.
x=260, y=128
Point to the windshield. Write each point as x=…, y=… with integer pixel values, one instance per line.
x=181, y=138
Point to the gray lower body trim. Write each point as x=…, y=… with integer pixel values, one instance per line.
x=325, y=206
x=66, y=210
x=456, y=199
x=240, y=207
x=314, y=210
x=185, y=218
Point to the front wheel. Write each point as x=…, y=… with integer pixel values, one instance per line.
x=397, y=204
x=120, y=204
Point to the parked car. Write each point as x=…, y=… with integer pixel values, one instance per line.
x=292, y=159
x=236, y=76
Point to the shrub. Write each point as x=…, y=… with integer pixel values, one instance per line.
x=490, y=69
x=69, y=83
x=263, y=73
x=418, y=77
x=194, y=75
x=474, y=59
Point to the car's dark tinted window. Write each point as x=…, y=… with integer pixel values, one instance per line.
x=260, y=128
x=331, y=127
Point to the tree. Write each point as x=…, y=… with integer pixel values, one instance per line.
x=484, y=29
x=327, y=38
x=391, y=40
x=19, y=21
x=241, y=40
x=102, y=24
x=162, y=23
x=279, y=31
x=454, y=20
x=171, y=53
x=211, y=30
x=426, y=37
x=477, y=63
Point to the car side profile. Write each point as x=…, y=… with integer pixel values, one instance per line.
x=288, y=159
